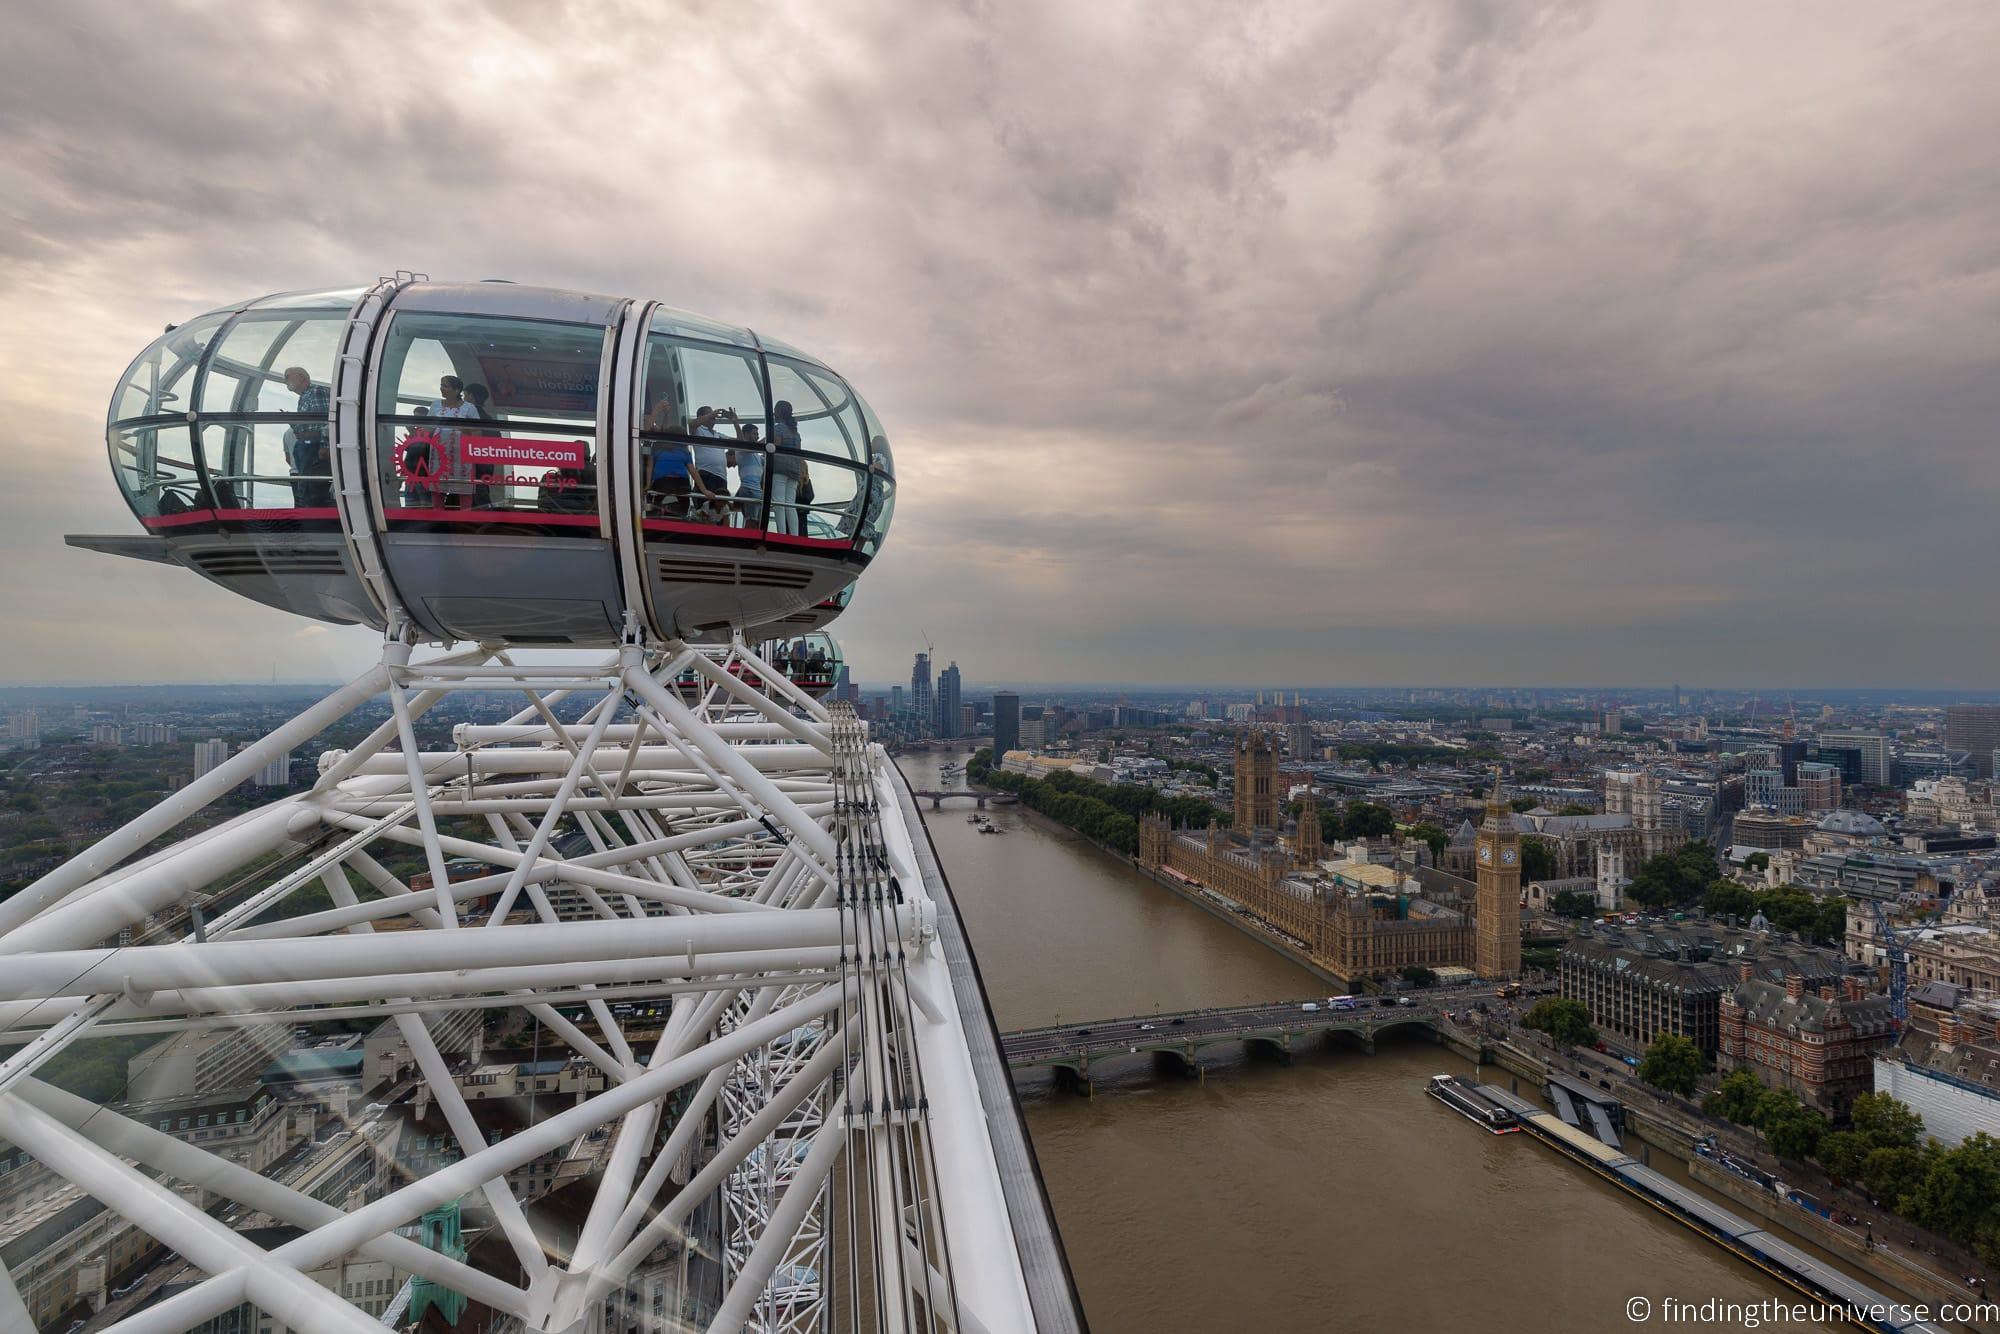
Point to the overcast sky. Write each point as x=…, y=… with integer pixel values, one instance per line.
x=1291, y=345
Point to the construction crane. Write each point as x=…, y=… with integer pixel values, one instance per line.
x=1899, y=966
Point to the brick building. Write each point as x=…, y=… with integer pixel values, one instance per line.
x=1819, y=1043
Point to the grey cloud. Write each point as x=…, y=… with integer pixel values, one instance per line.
x=1576, y=341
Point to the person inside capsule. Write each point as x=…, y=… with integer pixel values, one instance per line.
x=312, y=469
x=708, y=466
x=668, y=480
x=787, y=469
x=419, y=449
x=478, y=396
x=749, y=463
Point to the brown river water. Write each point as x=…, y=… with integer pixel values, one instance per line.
x=1328, y=1195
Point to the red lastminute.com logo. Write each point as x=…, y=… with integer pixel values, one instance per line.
x=425, y=455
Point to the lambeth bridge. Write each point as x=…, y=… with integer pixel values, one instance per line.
x=1273, y=1029
x=938, y=797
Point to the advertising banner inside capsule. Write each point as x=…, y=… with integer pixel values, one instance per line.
x=540, y=383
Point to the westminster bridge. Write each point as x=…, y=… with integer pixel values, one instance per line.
x=1273, y=1029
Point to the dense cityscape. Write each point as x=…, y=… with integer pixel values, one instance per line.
x=1776, y=913
x=1308, y=668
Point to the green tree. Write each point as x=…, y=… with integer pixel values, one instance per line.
x=1735, y=1098
x=1650, y=889
x=1886, y=1122
x=1521, y=805
x=1431, y=835
x=1697, y=863
x=1959, y=1192
x=1790, y=908
x=1537, y=861
x=1774, y=1105
x=1573, y=904
x=1892, y=1174
x=1986, y=1245
x=1364, y=819
x=1796, y=1133
x=1842, y=1153
x=1576, y=808
x=1726, y=897
x=1419, y=976
x=1675, y=879
x=1757, y=861
x=1565, y=1020
x=1673, y=1063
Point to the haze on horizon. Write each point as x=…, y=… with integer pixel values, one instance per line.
x=1273, y=344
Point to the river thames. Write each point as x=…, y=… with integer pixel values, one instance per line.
x=1330, y=1195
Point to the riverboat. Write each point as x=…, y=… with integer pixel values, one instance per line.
x=1467, y=1101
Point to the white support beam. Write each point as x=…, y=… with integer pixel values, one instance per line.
x=242, y=963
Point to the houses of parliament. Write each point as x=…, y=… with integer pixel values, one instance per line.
x=1354, y=915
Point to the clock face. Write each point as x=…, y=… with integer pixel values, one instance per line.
x=1486, y=854
x=1508, y=856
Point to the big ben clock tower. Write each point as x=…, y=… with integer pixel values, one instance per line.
x=1497, y=934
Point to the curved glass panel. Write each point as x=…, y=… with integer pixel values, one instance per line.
x=878, y=439
x=339, y=298
x=155, y=468
x=687, y=324
x=488, y=421
x=504, y=369
x=273, y=363
x=773, y=347
x=273, y=467
x=701, y=439
x=813, y=410
x=876, y=515
x=160, y=382
x=816, y=501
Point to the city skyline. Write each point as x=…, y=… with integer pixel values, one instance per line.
x=1537, y=345
x=1337, y=581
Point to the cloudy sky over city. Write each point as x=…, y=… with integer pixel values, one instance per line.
x=1286, y=345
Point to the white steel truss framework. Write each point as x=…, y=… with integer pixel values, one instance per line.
x=682, y=874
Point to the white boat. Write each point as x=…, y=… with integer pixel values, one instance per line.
x=1465, y=1099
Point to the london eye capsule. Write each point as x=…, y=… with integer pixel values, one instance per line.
x=494, y=462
